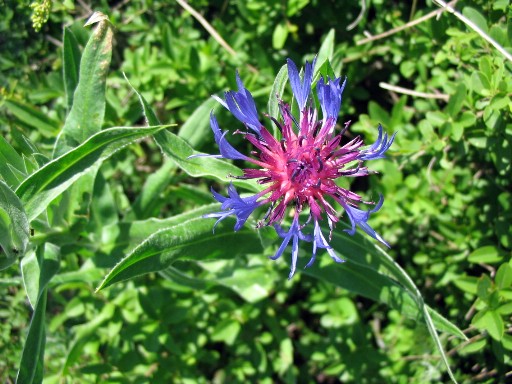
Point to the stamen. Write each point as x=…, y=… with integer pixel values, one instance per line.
x=320, y=163
x=294, y=173
x=292, y=161
x=265, y=180
x=283, y=142
x=276, y=123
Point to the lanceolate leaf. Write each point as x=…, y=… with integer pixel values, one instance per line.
x=191, y=240
x=372, y=261
x=14, y=227
x=196, y=130
x=178, y=150
x=71, y=64
x=87, y=112
x=276, y=93
x=38, y=270
x=40, y=188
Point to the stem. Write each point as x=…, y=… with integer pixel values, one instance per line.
x=474, y=27
x=405, y=26
x=410, y=92
x=211, y=30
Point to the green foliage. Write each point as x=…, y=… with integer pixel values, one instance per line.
x=109, y=273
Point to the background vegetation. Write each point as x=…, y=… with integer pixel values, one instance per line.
x=225, y=313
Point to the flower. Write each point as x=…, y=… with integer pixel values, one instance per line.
x=298, y=170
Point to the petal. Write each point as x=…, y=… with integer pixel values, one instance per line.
x=377, y=149
x=235, y=205
x=329, y=95
x=226, y=150
x=241, y=105
x=301, y=89
x=360, y=218
x=320, y=242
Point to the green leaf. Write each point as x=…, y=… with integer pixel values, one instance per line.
x=473, y=347
x=279, y=36
x=490, y=321
x=38, y=268
x=483, y=287
x=127, y=235
x=456, y=100
x=40, y=188
x=467, y=284
x=476, y=17
x=503, y=277
x=71, y=64
x=480, y=83
x=276, y=93
x=196, y=129
x=154, y=185
x=10, y=158
x=14, y=227
x=226, y=331
x=32, y=358
x=43, y=266
x=32, y=117
x=369, y=257
x=488, y=254
x=179, y=151
x=191, y=240
x=325, y=53
x=87, y=112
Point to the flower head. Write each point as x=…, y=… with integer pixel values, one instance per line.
x=298, y=170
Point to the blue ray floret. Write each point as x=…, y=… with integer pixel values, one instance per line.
x=241, y=207
x=377, y=149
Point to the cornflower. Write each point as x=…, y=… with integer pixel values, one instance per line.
x=299, y=169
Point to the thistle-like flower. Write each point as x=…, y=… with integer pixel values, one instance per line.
x=298, y=170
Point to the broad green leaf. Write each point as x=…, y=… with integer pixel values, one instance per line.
x=87, y=112
x=504, y=276
x=476, y=17
x=472, y=347
x=40, y=188
x=196, y=129
x=191, y=240
x=226, y=331
x=480, y=83
x=71, y=64
x=456, y=100
x=467, y=284
x=276, y=93
x=490, y=321
x=14, y=227
x=32, y=117
x=485, y=255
